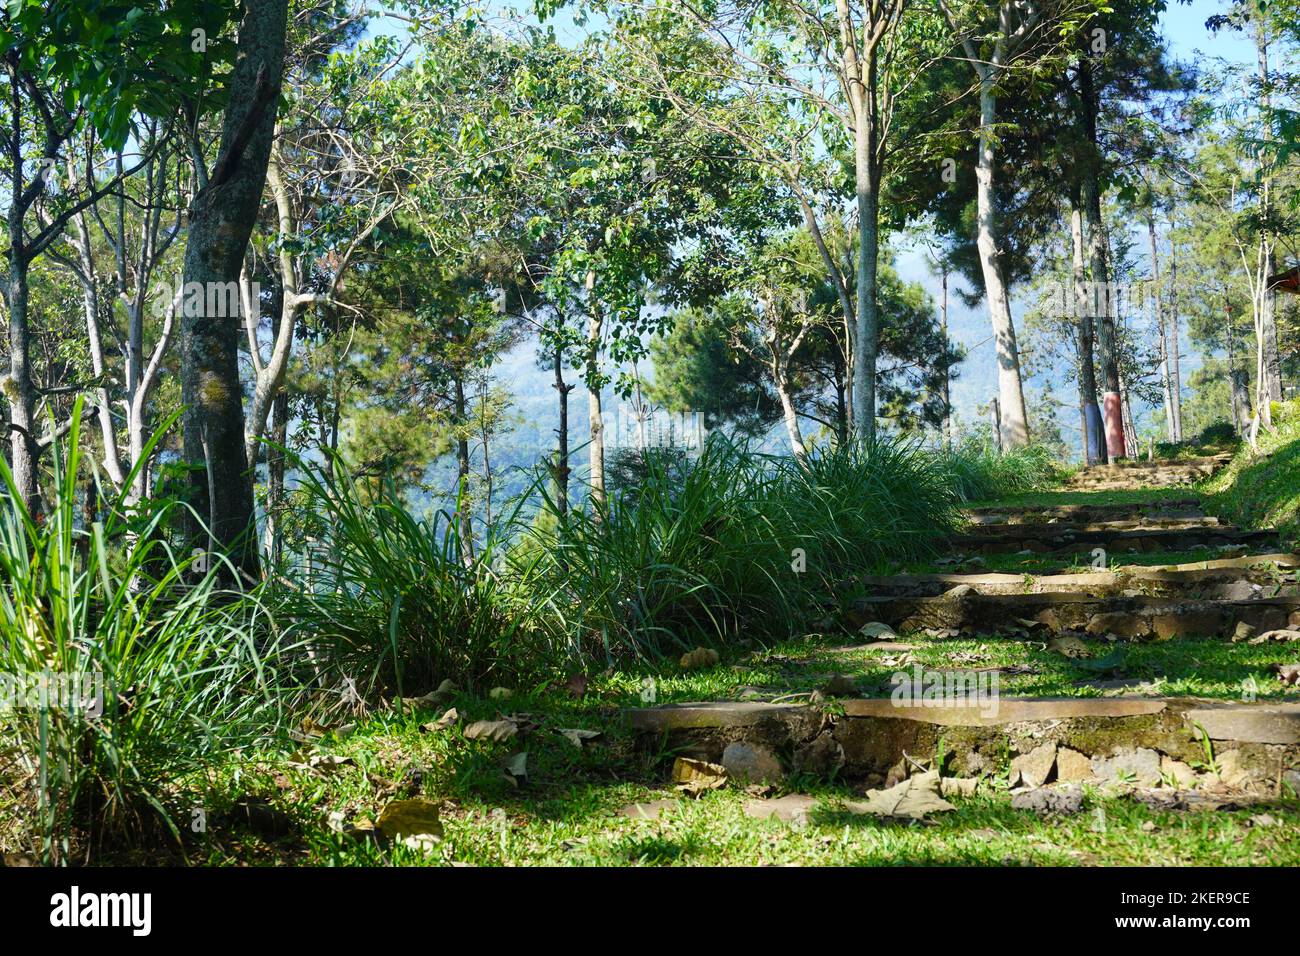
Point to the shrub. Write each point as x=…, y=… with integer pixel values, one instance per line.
x=162, y=674
x=977, y=471
x=733, y=545
x=395, y=603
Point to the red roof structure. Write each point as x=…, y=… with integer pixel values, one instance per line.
x=1286, y=281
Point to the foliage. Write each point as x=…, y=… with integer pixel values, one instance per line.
x=1263, y=490
x=738, y=547
x=389, y=602
x=163, y=672
x=977, y=471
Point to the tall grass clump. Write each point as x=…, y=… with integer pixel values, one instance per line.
x=692, y=554
x=393, y=603
x=858, y=508
x=125, y=672
x=735, y=545
x=977, y=471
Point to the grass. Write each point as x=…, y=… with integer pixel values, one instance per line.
x=1263, y=490
x=566, y=812
x=697, y=555
x=165, y=676
x=976, y=470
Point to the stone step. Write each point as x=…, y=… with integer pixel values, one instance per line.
x=1234, y=579
x=1174, y=507
x=1141, y=523
x=1048, y=539
x=1142, y=464
x=1123, y=617
x=1255, y=745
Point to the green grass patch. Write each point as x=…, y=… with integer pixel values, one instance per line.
x=1262, y=489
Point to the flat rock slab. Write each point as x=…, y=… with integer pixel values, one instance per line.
x=1194, y=580
x=1249, y=723
x=1280, y=560
x=1173, y=507
x=865, y=738
x=1145, y=523
x=711, y=714
x=1003, y=711
x=1045, y=539
x=1139, y=617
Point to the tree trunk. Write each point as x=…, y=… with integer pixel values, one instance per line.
x=1175, y=355
x=1166, y=366
x=1084, y=332
x=947, y=369
x=275, y=468
x=465, y=533
x=788, y=413
x=20, y=392
x=867, y=328
x=1271, y=361
x=1238, y=396
x=560, y=471
x=1090, y=172
x=595, y=415
x=1014, y=426
x=221, y=220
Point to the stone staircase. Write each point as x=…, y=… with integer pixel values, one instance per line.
x=1243, y=587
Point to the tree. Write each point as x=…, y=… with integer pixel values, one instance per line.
x=793, y=80
x=1022, y=36
x=221, y=220
x=146, y=60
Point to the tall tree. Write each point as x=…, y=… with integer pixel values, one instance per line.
x=221, y=220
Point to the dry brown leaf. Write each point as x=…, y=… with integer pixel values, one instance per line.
x=696, y=776
x=912, y=799
x=498, y=731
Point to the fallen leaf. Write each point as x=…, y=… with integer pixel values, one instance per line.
x=1285, y=634
x=576, y=736
x=875, y=629
x=450, y=719
x=323, y=763
x=311, y=727
x=699, y=658
x=647, y=811
x=517, y=768
x=1114, y=661
x=576, y=685
x=446, y=690
x=501, y=693
x=497, y=731
x=912, y=799
x=792, y=808
x=696, y=776
x=1068, y=645
x=413, y=823
x=958, y=786
x=840, y=685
